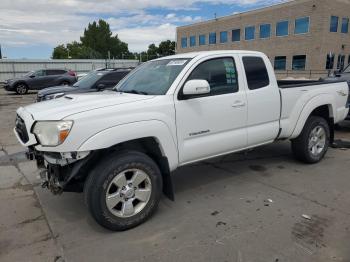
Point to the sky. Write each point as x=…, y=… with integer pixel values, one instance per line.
x=31, y=29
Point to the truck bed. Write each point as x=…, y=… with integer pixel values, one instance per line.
x=301, y=83
x=294, y=97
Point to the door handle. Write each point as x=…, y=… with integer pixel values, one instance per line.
x=238, y=104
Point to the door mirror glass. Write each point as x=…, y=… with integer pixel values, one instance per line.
x=196, y=87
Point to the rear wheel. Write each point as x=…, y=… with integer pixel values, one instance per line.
x=313, y=142
x=21, y=89
x=124, y=190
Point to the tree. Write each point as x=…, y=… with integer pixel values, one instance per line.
x=97, y=42
x=166, y=48
x=60, y=52
x=98, y=36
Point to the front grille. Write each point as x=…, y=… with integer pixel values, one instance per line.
x=21, y=129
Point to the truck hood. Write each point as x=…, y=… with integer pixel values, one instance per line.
x=60, y=108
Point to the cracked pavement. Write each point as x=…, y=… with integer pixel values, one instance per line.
x=241, y=207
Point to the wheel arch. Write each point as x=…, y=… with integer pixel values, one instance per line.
x=322, y=106
x=150, y=137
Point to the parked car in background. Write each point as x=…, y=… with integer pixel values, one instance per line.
x=94, y=81
x=119, y=148
x=39, y=79
x=340, y=75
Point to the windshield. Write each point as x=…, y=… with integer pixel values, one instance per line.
x=29, y=73
x=152, y=78
x=89, y=80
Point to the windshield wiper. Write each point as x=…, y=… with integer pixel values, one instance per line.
x=133, y=91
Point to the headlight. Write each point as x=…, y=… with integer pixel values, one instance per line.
x=53, y=96
x=52, y=133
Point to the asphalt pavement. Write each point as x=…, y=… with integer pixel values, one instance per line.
x=259, y=205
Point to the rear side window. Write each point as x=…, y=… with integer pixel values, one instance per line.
x=114, y=77
x=55, y=72
x=220, y=73
x=256, y=72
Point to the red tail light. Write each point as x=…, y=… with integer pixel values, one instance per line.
x=72, y=73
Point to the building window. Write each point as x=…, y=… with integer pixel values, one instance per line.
x=282, y=28
x=299, y=62
x=334, y=24
x=184, y=42
x=236, y=35
x=280, y=63
x=192, y=41
x=256, y=72
x=202, y=40
x=330, y=61
x=212, y=38
x=265, y=31
x=302, y=25
x=250, y=33
x=345, y=25
x=223, y=37
x=341, y=62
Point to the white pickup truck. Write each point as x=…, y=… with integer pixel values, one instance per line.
x=119, y=147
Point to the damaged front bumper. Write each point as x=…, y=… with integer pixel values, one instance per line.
x=60, y=172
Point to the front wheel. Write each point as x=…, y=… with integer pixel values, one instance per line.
x=124, y=190
x=313, y=142
x=21, y=89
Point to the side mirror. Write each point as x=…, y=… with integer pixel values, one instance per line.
x=101, y=86
x=196, y=87
x=32, y=76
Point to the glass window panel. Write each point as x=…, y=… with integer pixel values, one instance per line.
x=282, y=28
x=280, y=63
x=256, y=72
x=265, y=31
x=212, y=38
x=345, y=25
x=250, y=33
x=202, y=40
x=184, y=42
x=334, y=24
x=299, y=62
x=220, y=73
x=236, y=35
x=192, y=41
x=330, y=61
x=302, y=25
x=223, y=37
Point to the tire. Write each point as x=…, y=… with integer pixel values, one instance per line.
x=21, y=89
x=313, y=142
x=106, y=182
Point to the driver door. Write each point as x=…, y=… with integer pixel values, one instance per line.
x=38, y=79
x=214, y=123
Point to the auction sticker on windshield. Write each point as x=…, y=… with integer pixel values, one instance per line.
x=176, y=62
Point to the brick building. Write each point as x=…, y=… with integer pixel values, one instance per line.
x=304, y=38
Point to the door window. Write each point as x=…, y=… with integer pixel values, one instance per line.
x=256, y=72
x=220, y=73
x=40, y=73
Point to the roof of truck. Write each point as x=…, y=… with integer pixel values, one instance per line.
x=206, y=53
